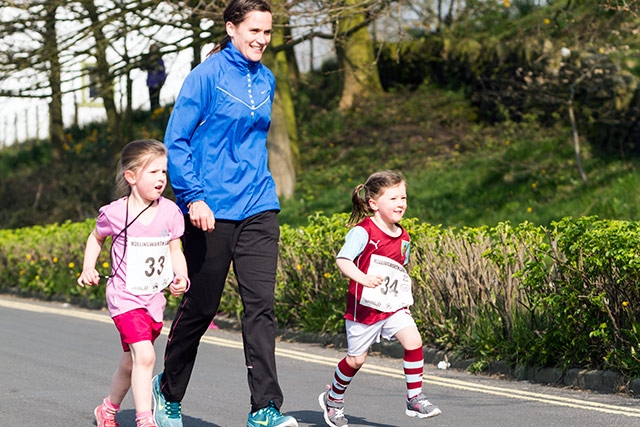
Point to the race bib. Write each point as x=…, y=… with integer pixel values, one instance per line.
x=395, y=291
x=149, y=268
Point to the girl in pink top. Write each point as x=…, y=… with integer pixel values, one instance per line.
x=146, y=257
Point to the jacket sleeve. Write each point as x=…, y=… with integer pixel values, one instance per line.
x=185, y=154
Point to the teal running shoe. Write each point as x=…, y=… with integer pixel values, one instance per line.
x=165, y=414
x=270, y=417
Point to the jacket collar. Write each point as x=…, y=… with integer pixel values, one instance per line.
x=237, y=59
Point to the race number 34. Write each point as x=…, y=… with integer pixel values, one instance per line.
x=395, y=291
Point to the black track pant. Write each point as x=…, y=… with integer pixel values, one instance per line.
x=252, y=246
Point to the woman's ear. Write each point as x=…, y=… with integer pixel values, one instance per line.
x=231, y=29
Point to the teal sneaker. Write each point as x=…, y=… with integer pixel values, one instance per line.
x=270, y=417
x=165, y=414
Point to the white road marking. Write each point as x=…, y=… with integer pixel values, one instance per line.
x=369, y=368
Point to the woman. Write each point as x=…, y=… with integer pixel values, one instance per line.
x=216, y=139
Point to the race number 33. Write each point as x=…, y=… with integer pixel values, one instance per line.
x=149, y=268
x=395, y=291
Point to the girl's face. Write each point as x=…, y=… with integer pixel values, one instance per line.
x=150, y=181
x=391, y=205
x=252, y=35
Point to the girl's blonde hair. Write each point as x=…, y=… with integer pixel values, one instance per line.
x=373, y=188
x=135, y=156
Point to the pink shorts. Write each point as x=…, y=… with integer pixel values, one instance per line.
x=135, y=326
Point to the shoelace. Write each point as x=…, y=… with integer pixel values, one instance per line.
x=339, y=412
x=423, y=403
x=110, y=423
x=271, y=410
x=173, y=409
x=109, y=418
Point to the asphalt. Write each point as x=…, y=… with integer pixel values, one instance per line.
x=600, y=381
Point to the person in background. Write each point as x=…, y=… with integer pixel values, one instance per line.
x=156, y=75
x=373, y=257
x=216, y=137
x=146, y=257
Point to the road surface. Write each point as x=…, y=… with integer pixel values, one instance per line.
x=56, y=362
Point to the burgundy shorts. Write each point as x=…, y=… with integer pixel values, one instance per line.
x=135, y=326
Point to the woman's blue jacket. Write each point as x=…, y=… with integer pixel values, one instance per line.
x=217, y=137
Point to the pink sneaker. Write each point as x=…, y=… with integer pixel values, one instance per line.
x=105, y=417
x=146, y=422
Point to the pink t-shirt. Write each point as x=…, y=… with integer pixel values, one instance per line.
x=168, y=222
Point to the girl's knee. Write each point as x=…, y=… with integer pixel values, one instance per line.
x=356, y=362
x=143, y=354
x=409, y=338
x=147, y=359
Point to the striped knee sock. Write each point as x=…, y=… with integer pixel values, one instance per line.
x=341, y=380
x=413, y=364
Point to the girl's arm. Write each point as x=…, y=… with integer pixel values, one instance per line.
x=349, y=269
x=90, y=275
x=181, y=283
x=355, y=242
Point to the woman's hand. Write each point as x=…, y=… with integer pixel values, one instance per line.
x=201, y=216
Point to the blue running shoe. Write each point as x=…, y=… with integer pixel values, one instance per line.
x=270, y=417
x=165, y=414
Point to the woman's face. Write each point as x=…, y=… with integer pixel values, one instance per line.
x=252, y=35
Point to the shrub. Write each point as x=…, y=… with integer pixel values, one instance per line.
x=45, y=262
x=566, y=295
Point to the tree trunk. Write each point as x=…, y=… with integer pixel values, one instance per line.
x=104, y=75
x=196, y=41
x=283, y=135
x=127, y=113
x=292, y=62
x=356, y=58
x=281, y=162
x=56, y=125
x=576, y=142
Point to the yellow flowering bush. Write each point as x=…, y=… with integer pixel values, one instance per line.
x=564, y=295
x=45, y=262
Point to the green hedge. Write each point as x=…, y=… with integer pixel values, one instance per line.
x=565, y=295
